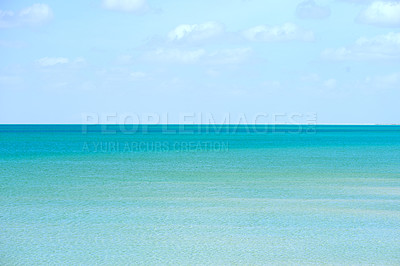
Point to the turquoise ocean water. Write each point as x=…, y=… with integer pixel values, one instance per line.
x=148, y=195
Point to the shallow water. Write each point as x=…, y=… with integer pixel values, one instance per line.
x=197, y=195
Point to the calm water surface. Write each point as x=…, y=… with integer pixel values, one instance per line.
x=72, y=194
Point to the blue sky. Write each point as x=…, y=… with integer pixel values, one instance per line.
x=62, y=60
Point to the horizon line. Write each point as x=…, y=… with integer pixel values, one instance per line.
x=205, y=124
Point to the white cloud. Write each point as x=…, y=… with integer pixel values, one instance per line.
x=36, y=14
x=195, y=32
x=78, y=62
x=381, y=13
x=125, y=5
x=223, y=56
x=285, y=32
x=358, y=1
x=378, y=84
x=180, y=44
x=318, y=81
x=310, y=10
x=383, y=81
x=7, y=19
x=382, y=47
x=176, y=55
x=52, y=61
x=229, y=56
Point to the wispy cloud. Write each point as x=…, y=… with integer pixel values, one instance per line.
x=125, y=5
x=382, y=47
x=36, y=14
x=214, y=57
x=381, y=13
x=310, y=10
x=229, y=56
x=357, y=1
x=195, y=43
x=211, y=32
x=196, y=32
x=285, y=32
x=52, y=61
x=176, y=55
x=388, y=81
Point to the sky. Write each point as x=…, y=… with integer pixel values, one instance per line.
x=161, y=61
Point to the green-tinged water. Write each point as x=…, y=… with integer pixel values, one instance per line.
x=199, y=195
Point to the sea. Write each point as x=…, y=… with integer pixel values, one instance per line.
x=199, y=194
